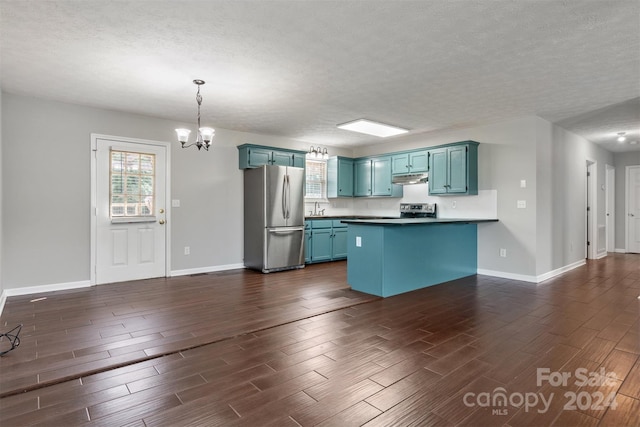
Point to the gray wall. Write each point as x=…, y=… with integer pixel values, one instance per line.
x=564, y=172
x=621, y=161
x=46, y=190
x=2, y=180
x=507, y=154
x=550, y=233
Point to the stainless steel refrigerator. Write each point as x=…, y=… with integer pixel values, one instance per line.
x=274, y=218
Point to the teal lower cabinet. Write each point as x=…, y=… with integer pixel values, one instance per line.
x=387, y=260
x=326, y=240
x=307, y=242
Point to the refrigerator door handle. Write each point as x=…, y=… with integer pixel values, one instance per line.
x=284, y=196
x=285, y=230
x=288, y=197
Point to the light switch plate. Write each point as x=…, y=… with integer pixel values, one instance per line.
x=175, y=203
x=523, y=183
x=522, y=204
x=358, y=241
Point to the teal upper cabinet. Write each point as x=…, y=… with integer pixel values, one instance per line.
x=373, y=178
x=340, y=177
x=253, y=156
x=411, y=162
x=381, y=176
x=362, y=178
x=453, y=169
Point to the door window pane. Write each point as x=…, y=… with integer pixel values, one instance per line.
x=132, y=177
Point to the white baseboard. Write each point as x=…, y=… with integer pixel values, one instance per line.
x=505, y=275
x=601, y=254
x=27, y=290
x=3, y=299
x=620, y=250
x=559, y=271
x=201, y=270
x=47, y=288
x=532, y=279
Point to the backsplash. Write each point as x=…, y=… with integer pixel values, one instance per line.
x=484, y=205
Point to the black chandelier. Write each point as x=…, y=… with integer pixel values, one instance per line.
x=205, y=134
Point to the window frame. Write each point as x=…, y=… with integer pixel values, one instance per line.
x=323, y=181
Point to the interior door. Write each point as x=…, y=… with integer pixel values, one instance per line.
x=633, y=210
x=610, y=207
x=131, y=235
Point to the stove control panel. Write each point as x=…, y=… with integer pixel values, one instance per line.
x=427, y=208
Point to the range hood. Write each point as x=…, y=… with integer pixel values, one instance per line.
x=409, y=179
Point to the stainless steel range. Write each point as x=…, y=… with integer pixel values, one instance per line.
x=418, y=210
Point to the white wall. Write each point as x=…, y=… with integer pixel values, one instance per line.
x=46, y=190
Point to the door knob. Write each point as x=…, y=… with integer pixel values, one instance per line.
x=161, y=210
x=161, y=221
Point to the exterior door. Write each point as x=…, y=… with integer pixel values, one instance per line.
x=633, y=209
x=130, y=210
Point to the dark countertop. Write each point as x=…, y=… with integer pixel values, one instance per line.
x=412, y=221
x=350, y=217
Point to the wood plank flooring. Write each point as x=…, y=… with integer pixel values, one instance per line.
x=299, y=348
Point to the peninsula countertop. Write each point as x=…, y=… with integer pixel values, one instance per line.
x=413, y=221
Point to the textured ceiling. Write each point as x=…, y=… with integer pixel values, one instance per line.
x=298, y=68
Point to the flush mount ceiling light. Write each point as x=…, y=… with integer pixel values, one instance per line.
x=621, y=136
x=205, y=134
x=372, y=128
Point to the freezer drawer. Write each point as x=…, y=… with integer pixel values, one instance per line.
x=284, y=248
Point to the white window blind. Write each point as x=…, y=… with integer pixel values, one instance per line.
x=132, y=184
x=316, y=179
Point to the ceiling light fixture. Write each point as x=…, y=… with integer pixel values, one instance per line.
x=621, y=136
x=317, y=153
x=205, y=134
x=372, y=128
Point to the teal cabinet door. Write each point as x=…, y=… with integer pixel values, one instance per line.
x=438, y=171
x=298, y=161
x=321, y=244
x=400, y=164
x=307, y=246
x=281, y=159
x=339, y=177
x=339, y=249
x=258, y=157
x=381, y=176
x=457, y=168
x=345, y=178
x=362, y=178
x=419, y=161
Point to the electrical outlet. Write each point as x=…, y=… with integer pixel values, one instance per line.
x=187, y=250
x=503, y=252
x=358, y=241
x=523, y=183
x=453, y=204
x=175, y=203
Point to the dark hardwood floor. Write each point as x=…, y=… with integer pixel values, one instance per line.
x=301, y=348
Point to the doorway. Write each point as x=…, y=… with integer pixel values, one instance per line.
x=129, y=218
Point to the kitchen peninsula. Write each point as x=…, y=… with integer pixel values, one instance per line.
x=387, y=257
